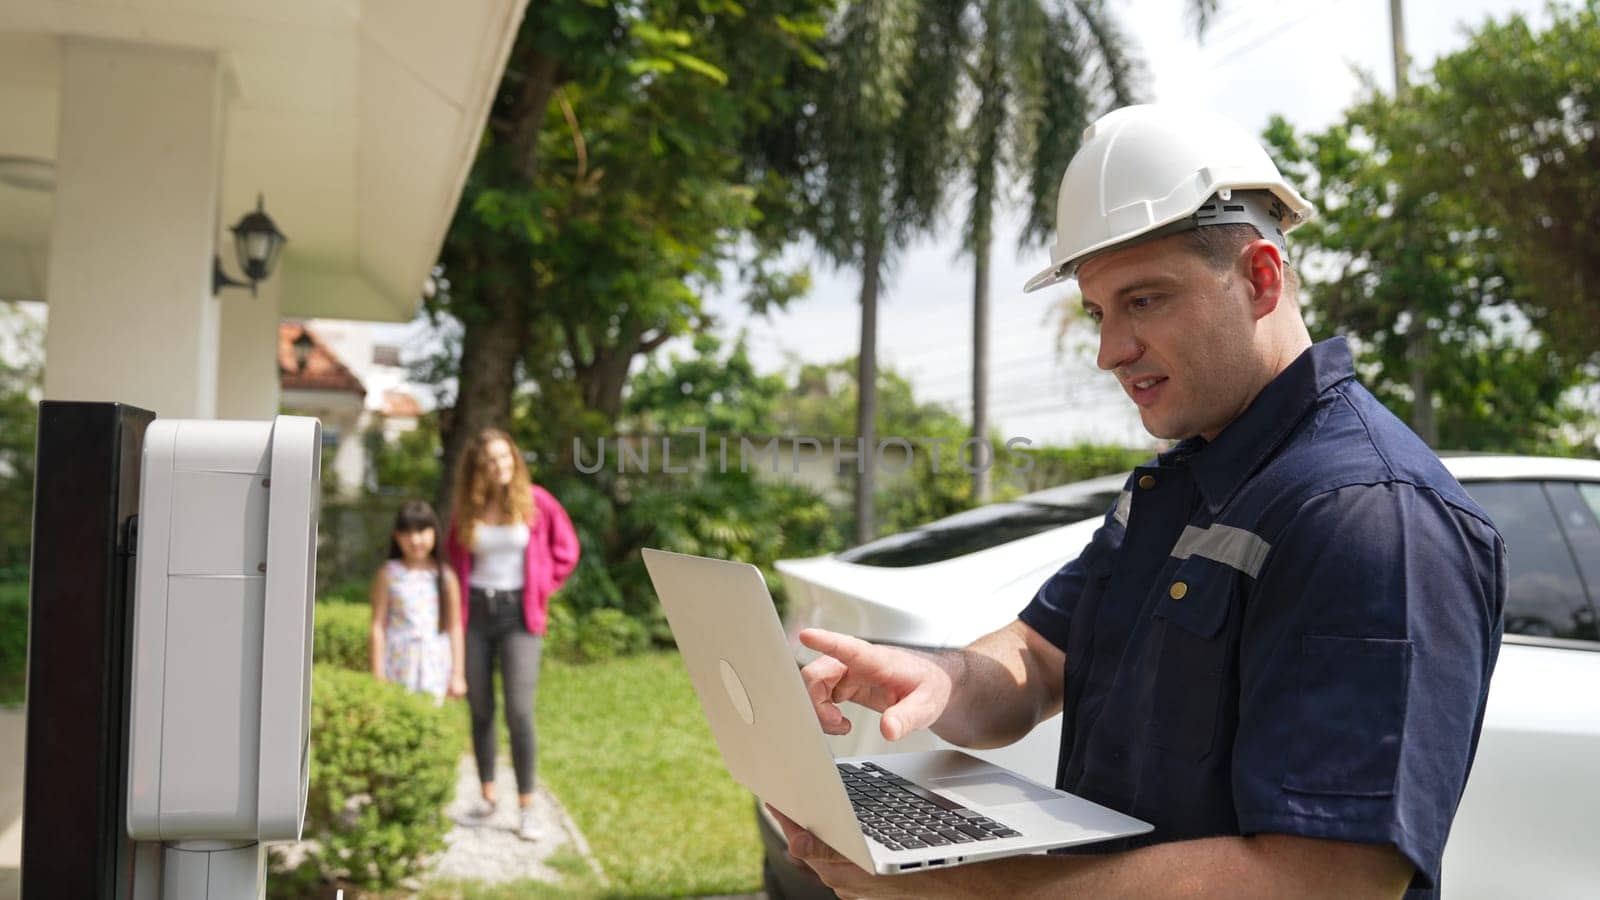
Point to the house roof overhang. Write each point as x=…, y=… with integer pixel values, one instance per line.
x=358, y=122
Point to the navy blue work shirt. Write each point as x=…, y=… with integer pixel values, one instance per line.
x=1289, y=630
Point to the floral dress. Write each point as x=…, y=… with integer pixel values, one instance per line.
x=416, y=653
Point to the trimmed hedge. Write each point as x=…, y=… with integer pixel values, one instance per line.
x=383, y=769
x=343, y=636
x=595, y=636
x=13, y=640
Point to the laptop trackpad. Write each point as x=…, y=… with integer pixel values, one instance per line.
x=991, y=789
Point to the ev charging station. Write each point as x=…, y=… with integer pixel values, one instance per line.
x=210, y=602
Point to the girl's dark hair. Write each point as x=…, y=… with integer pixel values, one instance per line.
x=417, y=515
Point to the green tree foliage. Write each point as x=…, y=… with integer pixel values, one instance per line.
x=720, y=393
x=409, y=466
x=1407, y=239
x=731, y=514
x=1507, y=127
x=21, y=378
x=1399, y=255
x=13, y=641
x=822, y=403
x=619, y=175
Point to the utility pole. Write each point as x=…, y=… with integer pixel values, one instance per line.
x=1417, y=346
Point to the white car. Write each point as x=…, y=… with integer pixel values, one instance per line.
x=1527, y=825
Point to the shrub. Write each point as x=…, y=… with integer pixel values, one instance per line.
x=383, y=768
x=1053, y=466
x=609, y=633
x=594, y=636
x=343, y=636
x=13, y=640
x=561, y=631
x=352, y=590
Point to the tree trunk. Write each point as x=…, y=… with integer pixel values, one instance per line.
x=990, y=119
x=492, y=343
x=1417, y=350
x=1420, y=354
x=490, y=348
x=867, y=390
x=980, y=368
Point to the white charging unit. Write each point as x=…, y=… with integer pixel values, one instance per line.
x=225, y=569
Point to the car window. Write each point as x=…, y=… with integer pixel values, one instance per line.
x=976, y=529
x=1591, y=495
x=1546, y=597
x=1581, y=528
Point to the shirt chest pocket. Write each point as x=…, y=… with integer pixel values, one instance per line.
x=1192, y=658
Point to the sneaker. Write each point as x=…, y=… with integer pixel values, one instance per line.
x=482, y=810
x=528, y=827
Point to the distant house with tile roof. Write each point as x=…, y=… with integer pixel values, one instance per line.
x=334, y=370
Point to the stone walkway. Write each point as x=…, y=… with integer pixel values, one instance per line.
x=489, y=850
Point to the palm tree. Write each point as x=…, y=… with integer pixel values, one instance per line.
x=880, y=147
x=1043, y=71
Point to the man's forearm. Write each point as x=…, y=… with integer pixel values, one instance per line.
x=1002, y=685
x=1230, y=867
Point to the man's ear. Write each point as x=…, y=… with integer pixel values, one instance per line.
x=1263, y=272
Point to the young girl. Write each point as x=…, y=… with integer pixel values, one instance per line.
x=512, y=545
x=416, y=610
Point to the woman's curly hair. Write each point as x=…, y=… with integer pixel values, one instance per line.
x=476, y=486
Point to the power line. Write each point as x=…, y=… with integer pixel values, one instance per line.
x=1013, y=364
x=1232, y=56
x=1082, y=393
x=1232, y=25
x=1017, y=392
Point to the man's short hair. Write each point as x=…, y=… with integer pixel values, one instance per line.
x=1219, y=246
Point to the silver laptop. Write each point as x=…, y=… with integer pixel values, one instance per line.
x=888, y=814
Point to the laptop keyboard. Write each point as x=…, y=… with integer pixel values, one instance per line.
x=902, y=815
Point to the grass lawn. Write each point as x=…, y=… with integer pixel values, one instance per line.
x=625, y=747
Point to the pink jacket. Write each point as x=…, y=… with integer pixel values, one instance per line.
x=552, y=555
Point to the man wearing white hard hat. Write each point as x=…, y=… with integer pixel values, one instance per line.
x=1277, y=647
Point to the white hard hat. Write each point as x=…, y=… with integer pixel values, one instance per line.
x=1148, y=171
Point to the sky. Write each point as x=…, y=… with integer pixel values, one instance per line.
x=1295, y=58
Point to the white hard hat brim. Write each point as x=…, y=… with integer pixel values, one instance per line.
x=1051, y=275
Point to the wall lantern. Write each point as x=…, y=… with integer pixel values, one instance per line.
x=302, y=350
x=257, y=242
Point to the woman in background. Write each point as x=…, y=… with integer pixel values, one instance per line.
x=511, y=545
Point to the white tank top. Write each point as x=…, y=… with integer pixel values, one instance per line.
x=499, y=554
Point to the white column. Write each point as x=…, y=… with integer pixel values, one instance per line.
x=247, y=366
x=350, y=460
x=138, y=167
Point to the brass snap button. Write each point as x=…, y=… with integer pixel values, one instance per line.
x=1147, y=481
x=1178, y=590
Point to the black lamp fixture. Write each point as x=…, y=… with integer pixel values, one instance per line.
x=257, y=242
x=302, y=350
